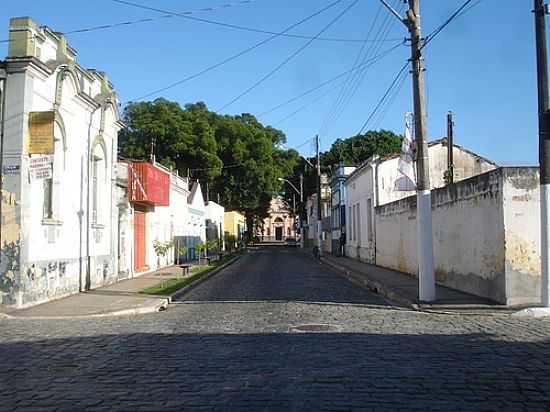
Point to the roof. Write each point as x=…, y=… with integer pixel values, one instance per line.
x=442, y=141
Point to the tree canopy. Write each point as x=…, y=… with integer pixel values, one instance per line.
x=351, y=151
x=234, y=156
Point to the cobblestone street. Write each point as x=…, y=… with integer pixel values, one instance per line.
x=232, y=343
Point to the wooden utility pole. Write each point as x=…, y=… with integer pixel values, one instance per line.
x=540, y=11
x=426, y=278
x=450, y=149
x=319, y=214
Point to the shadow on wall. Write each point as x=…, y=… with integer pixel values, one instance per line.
x=189, y=243
x=290, y=372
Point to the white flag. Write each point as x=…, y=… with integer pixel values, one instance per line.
x=407, y=178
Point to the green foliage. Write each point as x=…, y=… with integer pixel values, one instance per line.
x=230, y=241
x=212, y=245
x=240, y=158
x=357, y=149
x=200, y=247
x=161, y=248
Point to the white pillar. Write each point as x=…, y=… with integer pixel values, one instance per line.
x=545, y=236
x=426, y=279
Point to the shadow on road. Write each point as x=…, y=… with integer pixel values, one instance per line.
x=306, y=372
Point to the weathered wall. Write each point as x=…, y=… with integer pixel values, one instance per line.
x=485, y=235
x=54, y=252
x=522, y=231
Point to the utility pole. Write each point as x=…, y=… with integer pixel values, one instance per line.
x=450, y=149
x=302, y=211
x=426, y=279
x=540, y=11
x=319, y=214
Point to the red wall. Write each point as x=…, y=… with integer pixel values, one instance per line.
x=154, y=181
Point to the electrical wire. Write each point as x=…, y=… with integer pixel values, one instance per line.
x=331, y=80
x=350, y=89
x=151, y=19
x=236, y=26
x=289, y=58
x=438, y=30
x=305, y=106
x=239, y=54
x=384, y=97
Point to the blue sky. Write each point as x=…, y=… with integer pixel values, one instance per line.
x=482, y=66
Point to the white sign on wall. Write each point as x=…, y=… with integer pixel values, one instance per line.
x=41, y=167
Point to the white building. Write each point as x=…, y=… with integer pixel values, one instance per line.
x=149, y=214
x=280, y=223
x=214, y=214
x=195, y=230
x=374, y=184
x=58, y=215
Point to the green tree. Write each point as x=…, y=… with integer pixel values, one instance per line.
x=239, y=158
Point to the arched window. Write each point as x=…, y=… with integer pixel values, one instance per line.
x=98, y=175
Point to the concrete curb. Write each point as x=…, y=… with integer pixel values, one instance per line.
x=162, y=304
x=372, y=285
x=177, y=294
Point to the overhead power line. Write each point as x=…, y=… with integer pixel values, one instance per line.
x=152, y=19
x=239, y=54
x=459, y=12
x=237, y=26
x=384, y=97
x=453, y=16
x=332, y=79
x=289, y=58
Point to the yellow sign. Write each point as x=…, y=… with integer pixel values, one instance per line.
x=41, y=126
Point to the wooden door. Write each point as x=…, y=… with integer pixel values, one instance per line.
x=139, y=241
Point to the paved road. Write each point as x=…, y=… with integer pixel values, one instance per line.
x=210, y=354
x=281, y=274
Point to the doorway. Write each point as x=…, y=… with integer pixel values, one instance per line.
x=139, y=240
x=279, y=233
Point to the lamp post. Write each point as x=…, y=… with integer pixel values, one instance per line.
x=301, y=193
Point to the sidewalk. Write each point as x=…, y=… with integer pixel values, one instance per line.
x=121, y=298
x=403, y=289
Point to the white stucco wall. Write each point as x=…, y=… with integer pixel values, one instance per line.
x=68, y=251
x=486, y=235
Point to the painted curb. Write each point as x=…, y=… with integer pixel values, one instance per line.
x=532, y=313
x=162, y=305
x=372, y=285
x=177, y=294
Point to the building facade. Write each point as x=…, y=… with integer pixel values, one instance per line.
x=280, y=223
x=234, y=224
x=376, y=182
x=338, y=207
x=152, y=204
x=214, y=222
x=58, y=155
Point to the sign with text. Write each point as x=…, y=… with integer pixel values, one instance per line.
x=41, y=130
x=41, y=168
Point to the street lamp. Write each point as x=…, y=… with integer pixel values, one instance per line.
x=301, y=193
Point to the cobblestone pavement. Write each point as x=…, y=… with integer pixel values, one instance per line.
x=209, y=354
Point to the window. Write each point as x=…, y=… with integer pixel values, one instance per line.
x=51, y=187
x=359, y=223
x=350, y=222
x=355, y=222
x=98, y=183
